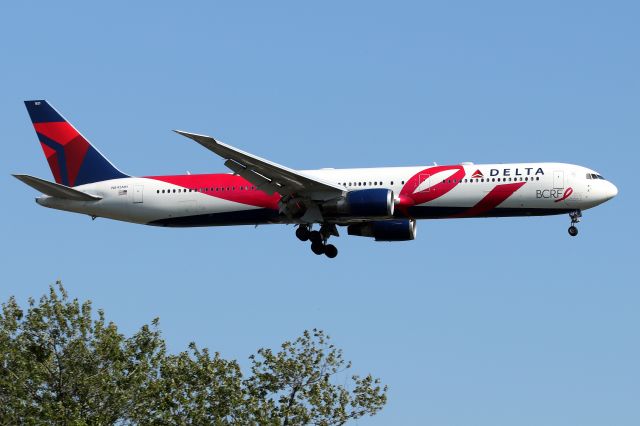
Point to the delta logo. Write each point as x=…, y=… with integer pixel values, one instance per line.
x=477, y=174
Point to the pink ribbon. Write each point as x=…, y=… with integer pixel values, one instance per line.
x=567, y=194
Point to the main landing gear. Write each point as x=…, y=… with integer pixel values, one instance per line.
x=319, y=239
x=575, y=218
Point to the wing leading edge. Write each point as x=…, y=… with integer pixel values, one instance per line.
x=266, y=175
x=55, y=189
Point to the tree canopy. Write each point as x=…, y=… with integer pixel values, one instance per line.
x=61, y=363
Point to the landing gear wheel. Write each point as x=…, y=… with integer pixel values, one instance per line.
x=575, y=218
x=317, y=248
x=302, y=233
x=315, y=237
x=330, y=251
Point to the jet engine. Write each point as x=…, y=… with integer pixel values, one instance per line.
x=293, y=207
x=385, y=230
x=375, y=202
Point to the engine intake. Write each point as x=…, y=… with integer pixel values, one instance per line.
x=385, y=230
x=375, y=202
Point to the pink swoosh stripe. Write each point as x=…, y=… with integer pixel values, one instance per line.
x=494, y=198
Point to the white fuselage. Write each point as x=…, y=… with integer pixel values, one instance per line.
x=422, y=192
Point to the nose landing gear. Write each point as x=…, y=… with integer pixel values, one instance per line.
x=319, y=239
x=575, y=218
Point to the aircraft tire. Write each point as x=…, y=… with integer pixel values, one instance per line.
x=573, y=231
x=330, y=251
x=315, y=237
x=317, y=248
x=302, y=233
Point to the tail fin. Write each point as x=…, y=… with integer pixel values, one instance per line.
x=72, y=159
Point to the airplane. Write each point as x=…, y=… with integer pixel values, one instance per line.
x=379, y=203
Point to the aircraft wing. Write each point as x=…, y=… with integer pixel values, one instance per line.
x=266, y=175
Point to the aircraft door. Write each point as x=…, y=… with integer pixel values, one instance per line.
x=578, y=192
x=137, y=193
x=558, y=179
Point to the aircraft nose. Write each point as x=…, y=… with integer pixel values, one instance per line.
x=610, y=191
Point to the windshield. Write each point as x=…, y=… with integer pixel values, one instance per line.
x=594, y=176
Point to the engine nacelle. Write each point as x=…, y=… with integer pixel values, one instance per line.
x=293, y=208
x=385, y=230
x=375, y=202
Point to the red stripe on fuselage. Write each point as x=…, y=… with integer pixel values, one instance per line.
x=228, y=188
x=493, y=199
x=435, y=190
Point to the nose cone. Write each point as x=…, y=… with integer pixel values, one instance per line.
x=609, y=191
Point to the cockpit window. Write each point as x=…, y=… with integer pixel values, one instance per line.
x=594, y=176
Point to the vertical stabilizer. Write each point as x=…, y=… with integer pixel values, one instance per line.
x=72, y=158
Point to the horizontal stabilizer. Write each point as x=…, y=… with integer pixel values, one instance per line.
x=55, y=189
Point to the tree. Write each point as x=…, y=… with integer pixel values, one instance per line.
x=62, y=364
x=294, y=386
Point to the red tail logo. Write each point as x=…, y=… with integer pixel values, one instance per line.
x=477, y=174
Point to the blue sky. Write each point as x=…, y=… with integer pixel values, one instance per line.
x=480, y=321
